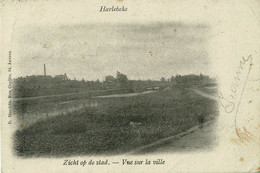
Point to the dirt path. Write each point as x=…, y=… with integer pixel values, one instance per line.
x=192, y=140
x=204, y=94
x=124, y=95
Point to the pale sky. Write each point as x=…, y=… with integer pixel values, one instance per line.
x=92, y=51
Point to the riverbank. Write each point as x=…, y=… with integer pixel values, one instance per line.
x=117, y=125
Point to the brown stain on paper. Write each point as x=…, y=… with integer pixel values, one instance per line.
x=251, y=119
x=244, y=137
x=21, y=125
x=241, y=159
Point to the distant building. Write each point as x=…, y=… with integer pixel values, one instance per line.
x=156, y=88
x=61, y=77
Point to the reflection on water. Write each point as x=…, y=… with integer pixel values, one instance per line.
x=35, y=112
x=29, y=110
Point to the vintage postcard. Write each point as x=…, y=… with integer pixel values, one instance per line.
x=130, y=86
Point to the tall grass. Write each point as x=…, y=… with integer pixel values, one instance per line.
x=107, y=130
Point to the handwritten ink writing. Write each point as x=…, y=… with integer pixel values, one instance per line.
x=229, y=104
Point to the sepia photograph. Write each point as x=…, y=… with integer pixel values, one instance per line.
x=122, y=88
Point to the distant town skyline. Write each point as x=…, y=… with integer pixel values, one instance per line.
x=93, y=51
x=101, y=80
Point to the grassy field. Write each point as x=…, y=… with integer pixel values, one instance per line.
x=107, y=129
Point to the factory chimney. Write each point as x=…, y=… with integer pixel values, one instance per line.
x=44, y=70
